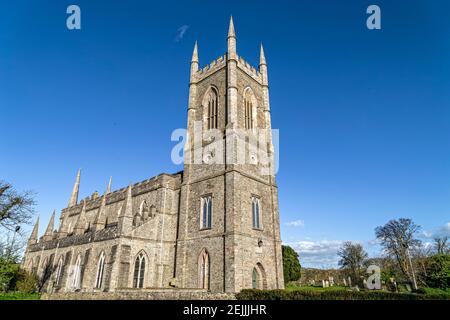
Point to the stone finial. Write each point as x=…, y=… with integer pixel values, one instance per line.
x=232, y=55
x=194, y=62
x=262, y=57
x=100, y=219
x=231, y=32
x=49, y=232
x=34, y=234
x=195, y=53
x=126, y=215
x=108, y=189
x=74, y=197
x=80, y=226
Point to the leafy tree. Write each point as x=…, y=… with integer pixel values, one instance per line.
x=291, y=265
x=16, y=208
x=397, y=237
x=352, y=257
x=438, y=271
x=8, y=274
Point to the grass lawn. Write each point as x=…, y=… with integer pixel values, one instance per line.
x=19, y=296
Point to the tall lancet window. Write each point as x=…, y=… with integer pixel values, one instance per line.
x=203, y=270
x=100, y=269
x=206, y=212
x=139, y=271
x=76, y=277
x=256, y=213
x=59, y=269
x=248, y=110
x=212, y=109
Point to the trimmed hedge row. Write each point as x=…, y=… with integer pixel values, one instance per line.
x=252, y=294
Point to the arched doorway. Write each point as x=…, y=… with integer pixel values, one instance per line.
x=259, y=280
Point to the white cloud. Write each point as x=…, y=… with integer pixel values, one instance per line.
x=442, y=231
x=296, y=223
x=317, y=254
x=181, y=32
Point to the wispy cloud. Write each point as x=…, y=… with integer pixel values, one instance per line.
x=317, y=254
x=296, y=223
x=181, y=32
x=442, y=231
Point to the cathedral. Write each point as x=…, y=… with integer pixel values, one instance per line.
x=213, y=227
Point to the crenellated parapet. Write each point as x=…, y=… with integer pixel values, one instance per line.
x=249, y=70
x=209, y=69
x=92, y=203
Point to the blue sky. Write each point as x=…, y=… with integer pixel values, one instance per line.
x=364, y=116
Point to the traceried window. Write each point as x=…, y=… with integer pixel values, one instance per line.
x=59, y=271
x=206, y=212
x=256, y=213
x=203, y=270
x=248, y=109
x=139, y=271
x=100, y=269
x=76, y=277
x=212, y=107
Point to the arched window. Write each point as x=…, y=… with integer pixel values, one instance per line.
x=100, y=269
x=255, y=279
x=256, y=213
x=59, y=269
x=145, y=211
x=139, y=271
x=203, y=270
x=206, y=212
x=76, y=277
x=248, y=109
x=212, y=103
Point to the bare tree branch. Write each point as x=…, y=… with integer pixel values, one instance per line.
x=16, y=208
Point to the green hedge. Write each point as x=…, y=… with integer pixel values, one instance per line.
x=251, y=294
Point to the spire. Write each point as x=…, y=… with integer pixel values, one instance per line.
x=100, y=219
x=194, y=62
x=108, y=189
x=49, y=232
x=126, y=215
x=263, y=67
x=231, y=32
x=231, y=41
x=34, y=234
x=80, y=226
x=74, y=197
x=262, y=57
x=195, y=53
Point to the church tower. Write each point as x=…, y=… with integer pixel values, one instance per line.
x=228, y=228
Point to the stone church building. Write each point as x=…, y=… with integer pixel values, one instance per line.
x=212, y=227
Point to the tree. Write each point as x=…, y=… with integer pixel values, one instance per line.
x=438, y=271
x=352, y=257
x=16, y=208
x=397, y=237
x=12, y=246
x=291, y=265
x=441, y=244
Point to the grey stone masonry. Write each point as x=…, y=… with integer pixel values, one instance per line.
x=206, y=232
